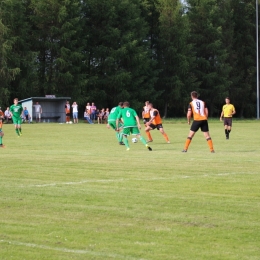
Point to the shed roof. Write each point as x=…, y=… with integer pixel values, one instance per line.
x=45, y=99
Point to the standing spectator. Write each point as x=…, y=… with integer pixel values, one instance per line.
x=26, y=115
x=1, y=114
x=106, y=115
x=87, y=117
x=75, y=112
x=88, y=107
x=8, y=115
x=67, y=112
x=101, y=116
x=38, y=111
x=93, y=109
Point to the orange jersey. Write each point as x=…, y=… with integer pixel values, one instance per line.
x=157, y=118
x=198, y=110
x=146, y=112
x=1, y=124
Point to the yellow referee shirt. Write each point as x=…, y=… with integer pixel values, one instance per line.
x=228, y=109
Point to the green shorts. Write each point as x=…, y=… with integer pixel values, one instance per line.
x=17, y=121
x=131, y=130
x=113, y=124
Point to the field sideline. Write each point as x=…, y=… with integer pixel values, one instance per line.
x=71, y=192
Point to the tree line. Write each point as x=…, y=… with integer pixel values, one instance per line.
x=136, y=50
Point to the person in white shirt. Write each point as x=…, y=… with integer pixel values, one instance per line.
x=75, y=112
x=38, y=111
x=8, y=115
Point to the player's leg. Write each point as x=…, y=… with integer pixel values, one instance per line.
x=229, y=126
x=15, y=122
x=1, y=139
x=194, y=128
x=138, y=135
x=205, y=130
x=126, y=132
x=160, y=128
x=147, y=131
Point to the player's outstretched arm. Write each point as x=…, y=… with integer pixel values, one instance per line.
x=138, y=121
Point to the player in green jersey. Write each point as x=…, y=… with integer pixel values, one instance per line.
x=112, y=122
x=16, y=111
x=131, y=125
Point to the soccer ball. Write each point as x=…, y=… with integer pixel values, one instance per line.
x=134, y=140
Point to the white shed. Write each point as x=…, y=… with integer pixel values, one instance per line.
x=53, y=108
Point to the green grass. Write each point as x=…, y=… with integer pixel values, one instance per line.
x=71, y=192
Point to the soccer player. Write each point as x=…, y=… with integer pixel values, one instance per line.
x=200, y=115
x=131, y=125
x=228, y=111
x=146, y=112
x=1, y=134
x=112, y=122
x=67, y=111
x=155, y=122
x=16, y=112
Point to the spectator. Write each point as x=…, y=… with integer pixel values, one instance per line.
x=67, y=112
x=2, y=115
x=93, y=109
x=26, y=116
x=101, y=116
x=38, y=111
x=87, y=117
x=75, y=112
x=8, y=115
x=88, y=107
x=106, y=115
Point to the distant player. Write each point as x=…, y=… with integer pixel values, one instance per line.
x=112, y=122
x=155, y=122
x=146, y=112
x=200, y=115
x=16, y=112
x=228, y=111
x=131, y=125
x=1, y=134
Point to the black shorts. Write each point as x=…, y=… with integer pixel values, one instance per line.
x=156, y=126
x=228, y=121
x=146, y=120
x=203, y=125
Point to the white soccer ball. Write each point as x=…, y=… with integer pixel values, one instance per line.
x=134, y=140
x=70, y=122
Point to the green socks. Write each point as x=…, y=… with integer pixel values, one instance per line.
x=126, y=142
x=142, y=140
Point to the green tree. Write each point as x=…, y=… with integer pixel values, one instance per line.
x=207, y=20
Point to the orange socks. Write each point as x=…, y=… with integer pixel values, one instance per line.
x=187, y=143
x=149, y=136
x=210, y=144
x=166, y=137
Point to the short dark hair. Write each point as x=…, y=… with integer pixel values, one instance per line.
x=120, y=104
x=126, y=104
x=227, y=98
x=194, y=94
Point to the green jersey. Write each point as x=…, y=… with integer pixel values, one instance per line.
x=128, y=115
x=16, y=110
x=114, y=113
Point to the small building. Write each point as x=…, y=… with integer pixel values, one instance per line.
x=53, y=108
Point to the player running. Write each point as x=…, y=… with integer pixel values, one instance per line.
x=112, y=122
x=16, y=112
x=131, y=125
x=228, y=111
x=1, y=134
x=155, y=122
x=200, y=115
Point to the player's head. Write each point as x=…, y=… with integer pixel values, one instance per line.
x=150, y=105
x=146, y=103
x=227, y=99
x=194, y=94
x=16, y=101
x=120, y=104
x=126, y=104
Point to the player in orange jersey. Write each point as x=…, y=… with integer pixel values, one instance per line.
x=200, y=120
x=154, y=122
x=146, y=112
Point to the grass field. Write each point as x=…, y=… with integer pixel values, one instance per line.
x=71, y=192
